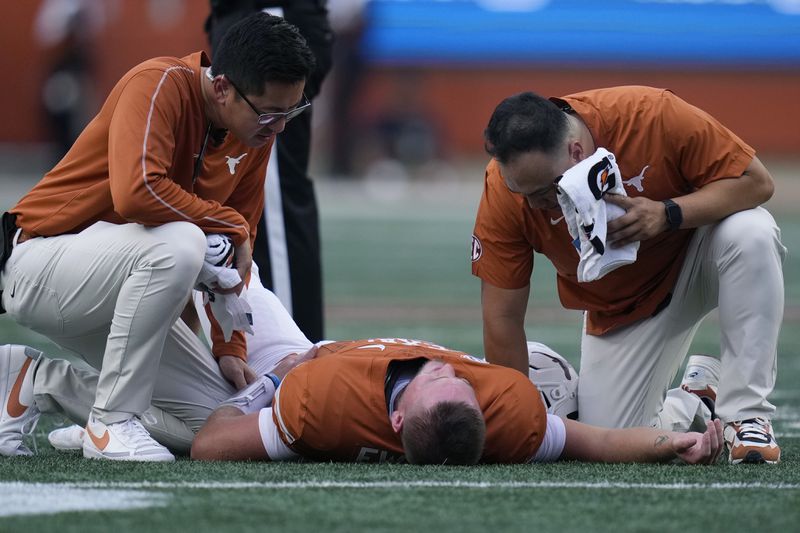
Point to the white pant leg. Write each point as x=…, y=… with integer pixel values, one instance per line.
x=275, y=333
x=188, y=387
x=126, y=279
x=682, y=411
x=62, y=387
x=747, y=250
x=625, y=373
x=190, y=384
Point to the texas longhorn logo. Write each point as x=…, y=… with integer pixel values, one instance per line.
x=233, y=161
x=602, y=177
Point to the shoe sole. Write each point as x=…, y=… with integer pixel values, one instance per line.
x=90, y=453
x=753, y=458
x=61, y=448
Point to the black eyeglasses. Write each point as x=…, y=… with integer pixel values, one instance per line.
x=265, y=119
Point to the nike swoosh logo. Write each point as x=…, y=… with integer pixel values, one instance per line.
x=16, y=408
x=554, y=221
x=100, y=442
x=13, y=289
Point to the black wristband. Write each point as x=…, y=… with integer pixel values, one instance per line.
x=674, y=214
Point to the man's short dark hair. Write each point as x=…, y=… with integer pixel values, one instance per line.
x=525, y=122
x=262, y=48
x=451, y=433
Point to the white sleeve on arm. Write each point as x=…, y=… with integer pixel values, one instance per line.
x=555, y=436
x=276, y=449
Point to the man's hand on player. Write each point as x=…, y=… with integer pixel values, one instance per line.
x=292, y=360
x=236, y=371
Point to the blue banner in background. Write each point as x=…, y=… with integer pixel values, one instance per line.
x=584, y=33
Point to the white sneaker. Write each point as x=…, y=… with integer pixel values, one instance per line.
x=19, y=414
x=122, y=441
x=702, y=379
x=67, y=438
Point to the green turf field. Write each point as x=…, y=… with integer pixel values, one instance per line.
x=396, y=265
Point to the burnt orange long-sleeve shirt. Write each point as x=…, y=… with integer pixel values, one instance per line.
x=135, y=162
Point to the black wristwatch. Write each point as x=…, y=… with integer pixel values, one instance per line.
x=674, y=214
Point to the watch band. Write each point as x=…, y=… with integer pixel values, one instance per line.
x=674, y=214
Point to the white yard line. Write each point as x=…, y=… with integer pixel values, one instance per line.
x=51, y=498
x=271, y=485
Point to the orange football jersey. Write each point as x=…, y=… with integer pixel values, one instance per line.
x=333, y=408
x=665, y=148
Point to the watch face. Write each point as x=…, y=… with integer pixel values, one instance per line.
x=674, y=214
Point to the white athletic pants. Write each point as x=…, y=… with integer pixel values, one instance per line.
x=735, y=266
x=188, y=387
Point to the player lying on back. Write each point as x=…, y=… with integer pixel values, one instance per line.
x=385, y=399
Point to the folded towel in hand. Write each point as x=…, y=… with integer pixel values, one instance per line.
x=580, y=195
x=232, y=311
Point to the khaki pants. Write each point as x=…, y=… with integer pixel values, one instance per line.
x=188, y=385
x=734, y=266
x=112, y=294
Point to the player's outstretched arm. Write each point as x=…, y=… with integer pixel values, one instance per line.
x=641, y=445
x=229, y=435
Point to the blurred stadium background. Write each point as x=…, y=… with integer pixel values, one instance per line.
x=398, y=156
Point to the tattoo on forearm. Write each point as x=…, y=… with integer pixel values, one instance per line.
x=661, y=439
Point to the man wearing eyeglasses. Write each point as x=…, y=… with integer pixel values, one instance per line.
x=103, y=252
x=694, y=191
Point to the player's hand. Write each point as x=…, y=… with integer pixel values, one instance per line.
x=643, y=220
x=236, y=371
x=242, y=262
x=292, y=360
x=700, y=448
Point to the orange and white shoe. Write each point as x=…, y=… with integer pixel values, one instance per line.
x=122, y=441
x=751, y=441
x=19, y=413
x=702, y=379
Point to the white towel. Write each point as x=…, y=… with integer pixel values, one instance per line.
x=581, y=192
x=232, y=311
